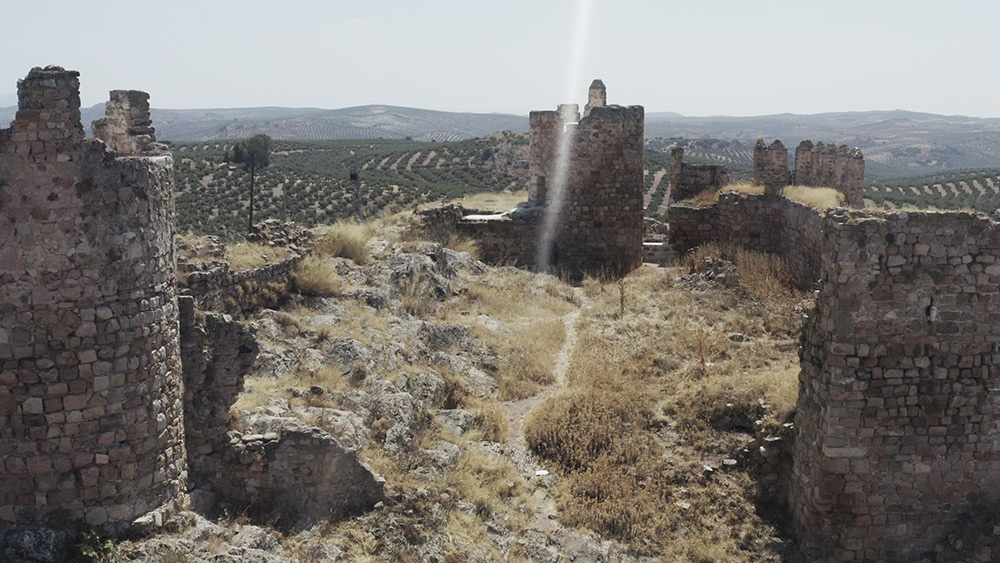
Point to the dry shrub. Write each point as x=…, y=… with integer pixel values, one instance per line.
x=491, y=483
x=818, y=198
x=577, y=427
x=346, y=239
x=318, y=277
x=761, y=275
x=527, y=358
x=417, y=297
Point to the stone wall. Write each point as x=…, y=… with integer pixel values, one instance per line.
x=599, y=227
x=897, y=418
x=91, y=420
x=216, y=287
x=770, y=224
x=828, y=166
x=841, y=168
x=687, y=180
x=770, y=166
x=282, y=468
x=595, y=163
x=898, y=412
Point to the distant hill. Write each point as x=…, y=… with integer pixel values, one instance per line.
x=895, y=143
x=363, y=122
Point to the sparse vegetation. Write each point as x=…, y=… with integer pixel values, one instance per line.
x=318, y=277
x=656, y=395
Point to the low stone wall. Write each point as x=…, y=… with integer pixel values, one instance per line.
x=763, y=223
x=687, y=180
x=215, y=287
x=511, y=241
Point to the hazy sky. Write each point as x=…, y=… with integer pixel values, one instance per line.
x=697, y=57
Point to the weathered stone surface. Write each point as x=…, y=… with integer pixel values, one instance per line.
x=897, y=414
x=595, y=166
x=688, y=179
x=841, y=168
x=87, y=306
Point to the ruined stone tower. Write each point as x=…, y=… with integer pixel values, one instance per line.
x=597, y=96
x=599, y=226
x=91, y=417
x=770, y=166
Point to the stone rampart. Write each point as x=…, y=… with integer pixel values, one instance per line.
x=597, y=217
x=897, y=418
x=841, y=168
x=828, y=166
x=688, y=179
x=898, y=414
x=763, y=223
x=216, y=287
x=91, y=415
x=770, y=166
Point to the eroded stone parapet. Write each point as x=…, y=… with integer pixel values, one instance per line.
x=687, y=180
x=126, y=128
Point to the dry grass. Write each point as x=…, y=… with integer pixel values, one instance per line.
x=529, y=309
x=818, y=198
x=493, y=201
x=346, y=239
x=248, y=255
x=657, y=393
x=317, y=276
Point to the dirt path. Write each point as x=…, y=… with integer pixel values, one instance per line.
x=544, y=505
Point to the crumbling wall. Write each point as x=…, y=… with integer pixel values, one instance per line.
x=687, y=180
x=598, y=226
x=770, y=166
x=283, y=468
x=774, y=225
x=90, y=378
x=216, y=287
x=829, y=166
x=898, y=417
x=841, y=168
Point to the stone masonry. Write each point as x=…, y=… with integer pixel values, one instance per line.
x=91, y=415
x=598, y=226
x=841, y=168
x=688, y=179
x=897, y=418
x=770, y=166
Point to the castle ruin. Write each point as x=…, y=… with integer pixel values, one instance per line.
x=687, y=179
x=588, y=173
x=114, y=393
x=897, y=418
x=91, y=413
x=841, y=168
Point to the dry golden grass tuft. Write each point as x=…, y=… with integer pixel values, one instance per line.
x=249, y=255
x=317, y=276
x=346, y=239
x=818, y=198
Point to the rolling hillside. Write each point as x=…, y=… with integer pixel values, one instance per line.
x=977, y=189
x=309, y=181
